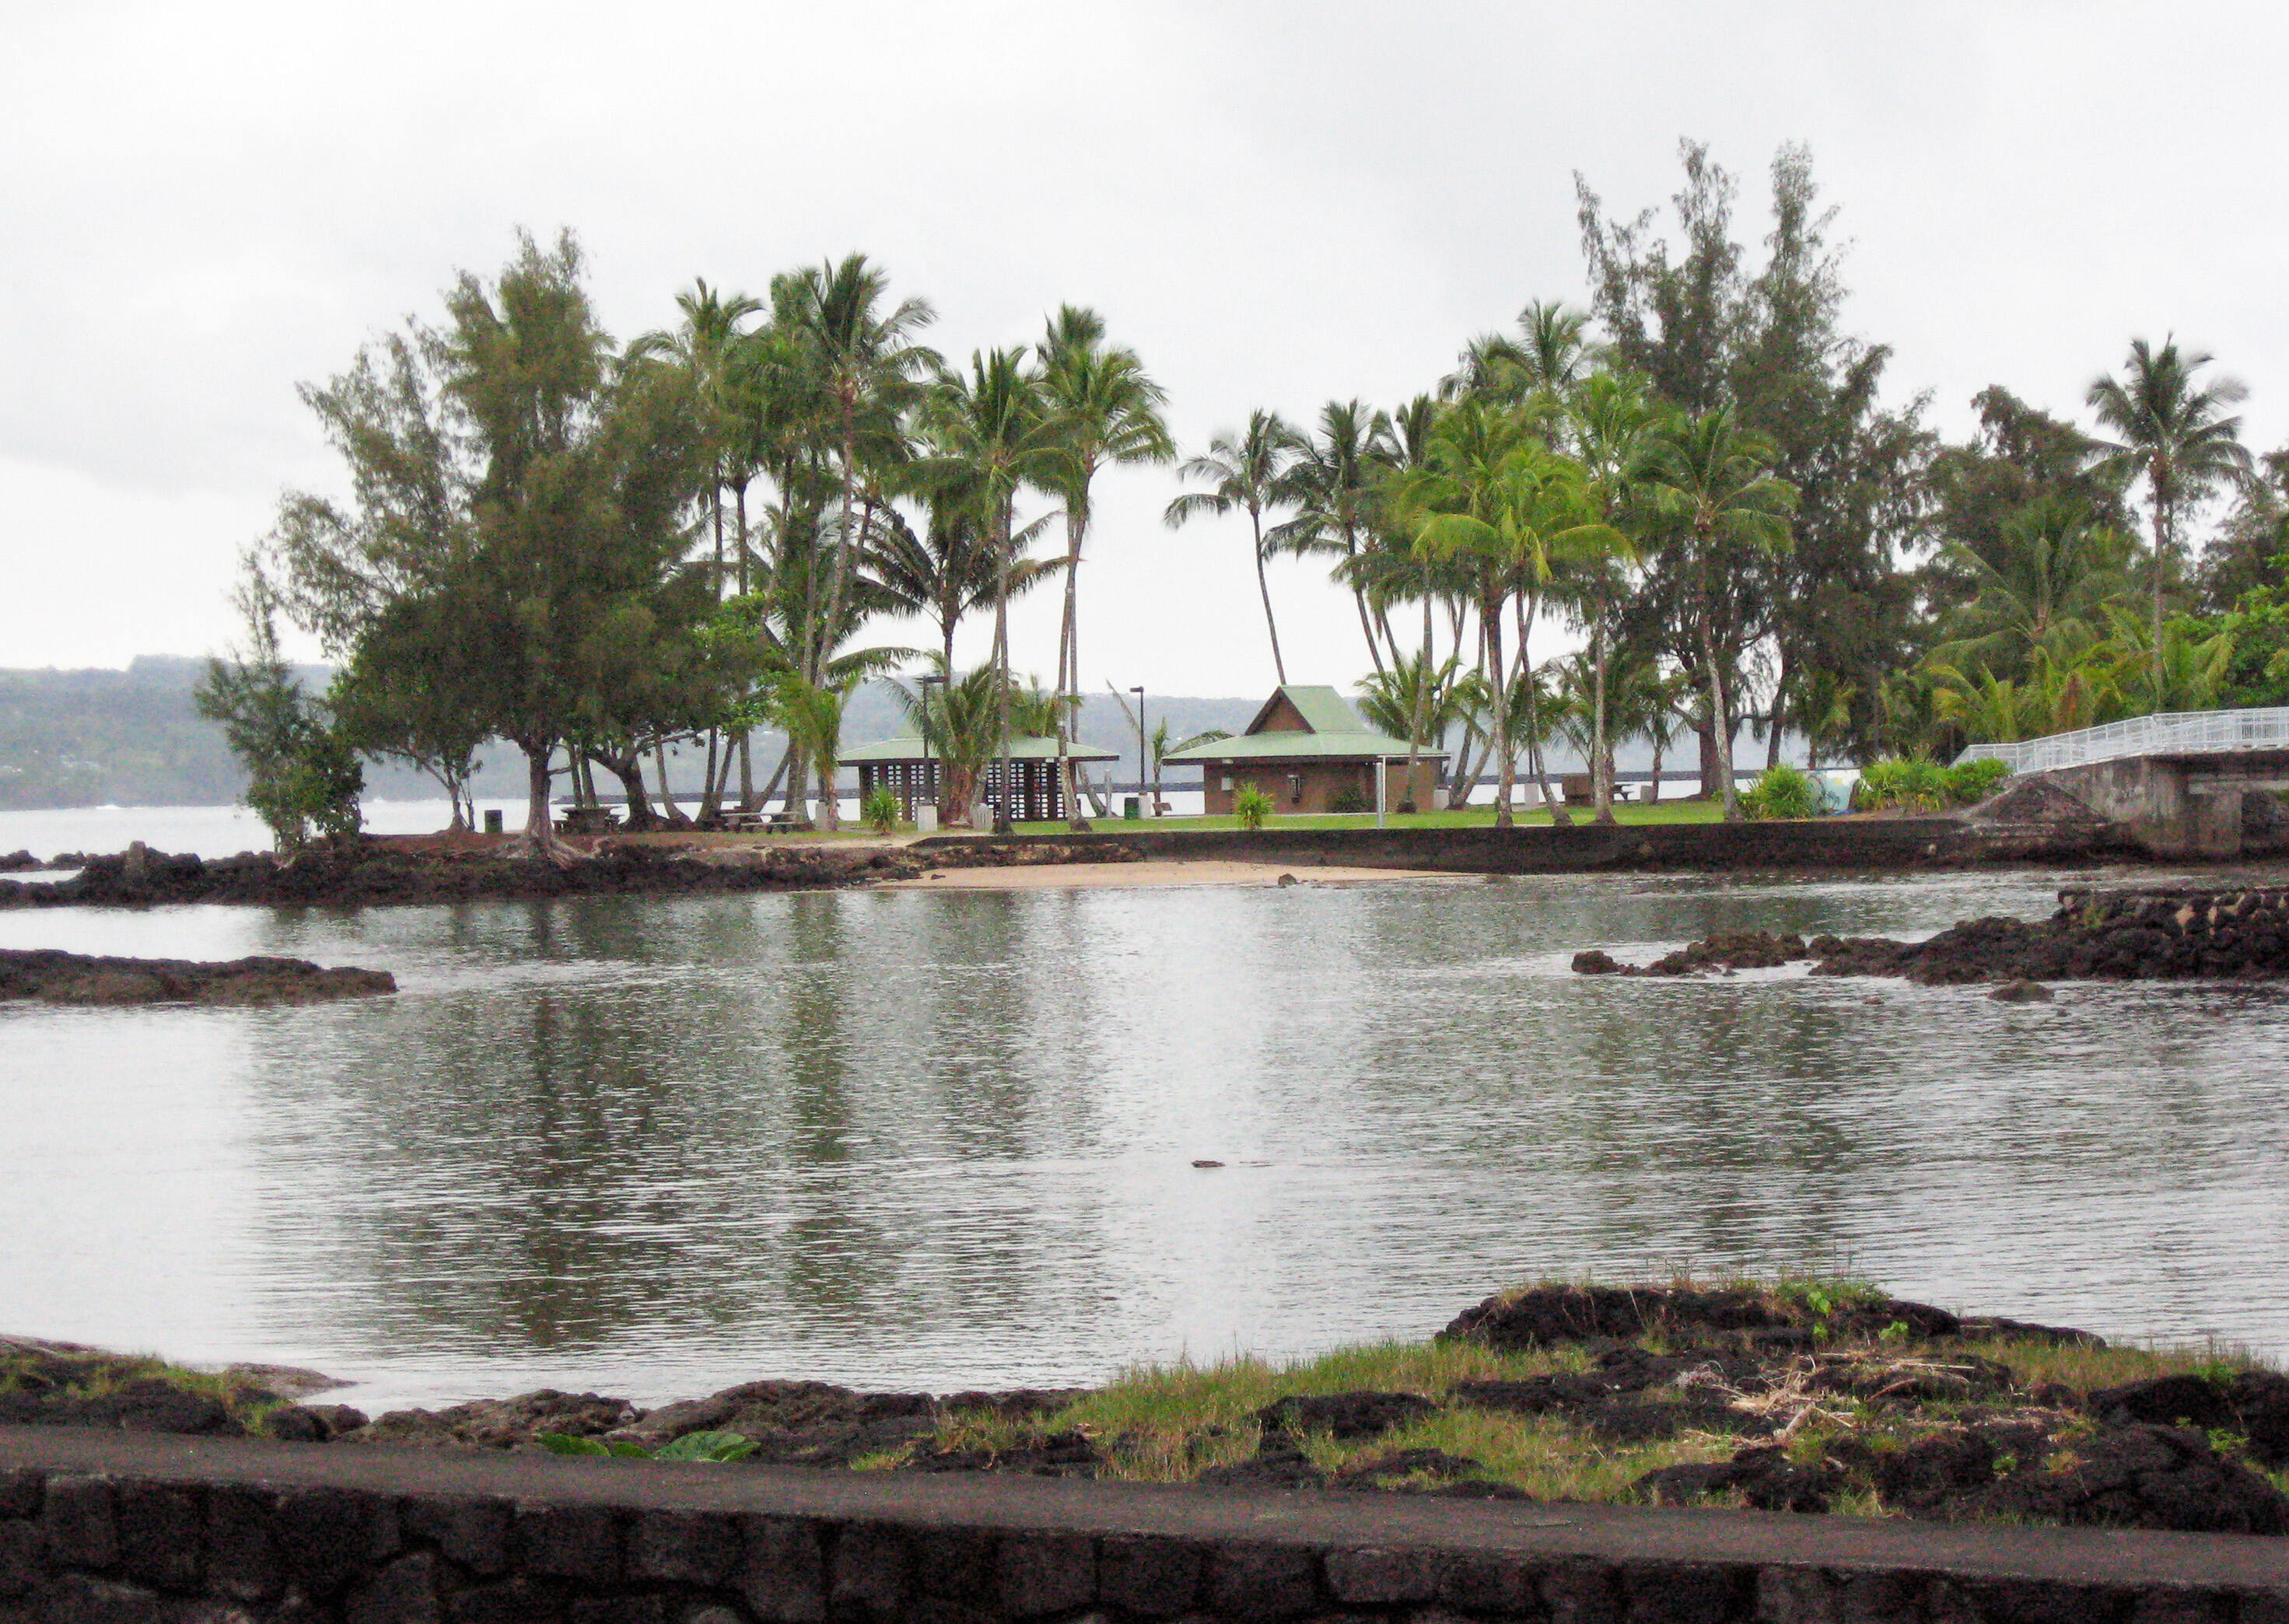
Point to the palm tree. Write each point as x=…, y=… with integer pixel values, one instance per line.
x=949, y=571
x=2044, y=581
x=1708, y=475
x=1332, y=484
x=867, y=365
x=1609, y=420
x=1243, y=473
x=958, y=723
x=1479, y=477
x=706, y=345
x=1108, y=412
x=991, y=435
x=2172, y=432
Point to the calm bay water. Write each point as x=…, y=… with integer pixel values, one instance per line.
x=944, y=1139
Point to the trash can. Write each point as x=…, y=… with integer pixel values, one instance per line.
x=1131, y=811
x=492, y=820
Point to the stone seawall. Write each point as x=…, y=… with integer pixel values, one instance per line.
x=120, y=1528
x=1882, y=843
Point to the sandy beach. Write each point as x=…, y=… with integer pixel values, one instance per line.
x=1096, y=875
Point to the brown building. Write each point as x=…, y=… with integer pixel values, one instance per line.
x=1309, y=751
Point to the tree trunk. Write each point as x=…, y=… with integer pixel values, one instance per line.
x=1722, y=720
x=1279, y=666
x=629, y=770
x=711, y=794
x=1561, y=814
x=1506, y=768
x=1069, y=661
x=2161, y=555
x=1421, y=727
x=1601, y=754
x=540, y=817
x=1005, y=809
x=1660, y=747
x=670, y=813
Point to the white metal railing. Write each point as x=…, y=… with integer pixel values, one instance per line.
x=2170, y=733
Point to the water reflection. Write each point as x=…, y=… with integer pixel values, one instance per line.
x=946, y=1140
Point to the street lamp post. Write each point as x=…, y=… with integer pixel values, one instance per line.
x=1139, y=692
x=930, y=768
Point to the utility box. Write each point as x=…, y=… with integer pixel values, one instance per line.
x=1131, y=809
x=492, y=820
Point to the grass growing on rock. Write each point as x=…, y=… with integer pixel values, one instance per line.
x=1851, y=1378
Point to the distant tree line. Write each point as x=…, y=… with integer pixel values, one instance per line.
x=594, y=551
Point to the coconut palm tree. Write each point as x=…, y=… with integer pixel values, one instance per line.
x=2044, y=582
x=1609, y=423
x=1480, y=480
x=1331, y=483
x=867, y=365
x=949, y=571
x=2171, y=431
x=993, y=435
x=1708, y=476
x=1107, y=410
x=1242, y=472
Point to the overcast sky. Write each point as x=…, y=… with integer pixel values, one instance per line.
x=1274, y=204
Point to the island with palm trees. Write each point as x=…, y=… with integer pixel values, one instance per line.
x=1680, y=519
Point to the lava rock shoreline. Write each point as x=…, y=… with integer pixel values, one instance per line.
x=379, y=872
x=1812, y=1399
x=51, y=976
x=2095, y=935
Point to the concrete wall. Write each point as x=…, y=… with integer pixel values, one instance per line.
x=102, y=1527
x=2171, y=808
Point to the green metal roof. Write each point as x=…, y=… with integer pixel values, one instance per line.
x=1335, y=733
x=1299, y=748
x=1025, y=747
x=1323, y=710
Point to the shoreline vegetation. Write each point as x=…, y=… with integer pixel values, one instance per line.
x=1696, y=474
x=1806, y=1395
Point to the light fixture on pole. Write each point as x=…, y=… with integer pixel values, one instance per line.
x=1139, y=692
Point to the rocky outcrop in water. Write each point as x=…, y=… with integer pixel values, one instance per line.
x=2095, y=935
x=54, y=978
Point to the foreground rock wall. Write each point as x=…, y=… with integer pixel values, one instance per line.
x=122, y=1529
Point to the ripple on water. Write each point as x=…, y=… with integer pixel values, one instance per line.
x=946, y=1140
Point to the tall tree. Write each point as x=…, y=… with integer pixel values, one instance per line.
x=1709, y=476
x=514, y=467
x=1243, y=472
x=1331, y=483
x=2171, y=431
x=868, y=366
x=1107, y=413
x=993, y=436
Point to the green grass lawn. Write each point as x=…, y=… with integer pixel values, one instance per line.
x=1472, y=817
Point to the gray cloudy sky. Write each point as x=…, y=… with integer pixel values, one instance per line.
x=1275, y=205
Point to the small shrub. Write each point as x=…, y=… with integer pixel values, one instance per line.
x=1251, y=806
x=1348, y=800
x=1969, y=782
x=1781, y=790
x=880, y=810
x=715, y=1446
x=1906, y=784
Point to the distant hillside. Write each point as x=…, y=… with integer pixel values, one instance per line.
x=81, y=738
